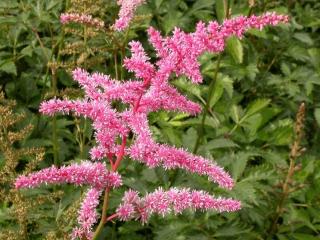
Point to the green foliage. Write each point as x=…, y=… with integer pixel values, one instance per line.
x=261, y=81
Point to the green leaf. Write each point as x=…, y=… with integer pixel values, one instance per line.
x=245, y=192
x=8, y=67
x=230, y=231
x=8, y=20
x=27, y=51
x=220, y=143
x=239, y=164
x=227, y=83
x=149, y=175
x=189, y=138
x=236, y=113
x=235, y=49
x=170, y=231
x=314, y=54
x=217, y=92
x=221, y=10
x=304, y=37
x=256, y=106
x=199, y=5
x=258, y=33
x=304, y=236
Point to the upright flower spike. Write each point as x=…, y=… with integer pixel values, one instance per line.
x=139, y=62
x=127, y=9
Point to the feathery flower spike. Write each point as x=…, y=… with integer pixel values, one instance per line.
x=86, y=173
x=87, y=215
x=66, y=18
x=174, y=200
x=128, y=7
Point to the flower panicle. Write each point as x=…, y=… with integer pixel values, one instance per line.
x=179, y=53
x=139, y=63
x=145, y=150
x=86, y=19
x=85, y=173
x=87, y=215
x=174, y=200
x=126, y=13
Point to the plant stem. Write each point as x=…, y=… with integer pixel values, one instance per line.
x=121, y=154
x=295, y=152
x=114, y=168
x=122, y=52
x=103, y=219
x=54, y=122
x=207, y=107
x=211, y=88
x=116, y=64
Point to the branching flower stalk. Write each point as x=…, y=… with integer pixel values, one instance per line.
x=150, y=91
x=295, y=152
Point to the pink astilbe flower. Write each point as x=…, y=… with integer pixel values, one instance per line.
x=179, y=52
x=172, y=201
x=128, y=7
x=151, y=91
x=88, y=215
x=86, y=173
x=163, y=96
x=139, y=62
x=147, y=151
x=105, y=120
x=66, y=18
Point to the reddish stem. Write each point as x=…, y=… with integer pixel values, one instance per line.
x=114, y=167
x=110, y=160
x=121, y=154
x=115, y=215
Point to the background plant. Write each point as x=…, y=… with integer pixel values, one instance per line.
x=260, y=83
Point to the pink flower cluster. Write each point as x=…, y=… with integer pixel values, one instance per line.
x=128, y=7
x=66, y=18
x=87, y=215
x=179, y=52
x=174, y=200
x=145, y=150
x=86, y=173
x=151, y=91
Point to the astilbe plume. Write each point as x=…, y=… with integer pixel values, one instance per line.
x=86, y=173
x=86, y=19
x=175, y=200
x=87, y=214
x=127, y=9
x=151, y=91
